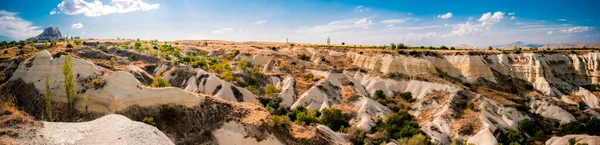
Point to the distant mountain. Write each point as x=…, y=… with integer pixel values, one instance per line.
x=518, y=44
x=464, y=46
x=48, y=35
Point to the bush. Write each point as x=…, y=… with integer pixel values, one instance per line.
x=418, y=139
x=228, y=76
x=159, y=82
x=253, y=90
x=400, y=125
x=133, y=57
x=167, y=112
x=593, y=126
x=149, y=120
x=271, y=89
x=303, y=57
x=242, y=65
x=333, y=119
x=379, y=94
x=406, y=96
x=527, y=126
x=570, y=128
x=69, y=45
x=356, y=135
x=307, y=118
x=103, y=49
x=281, y=121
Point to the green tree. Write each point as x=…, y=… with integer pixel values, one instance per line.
x=53, y=43
x=271, y=89
x=77, y=41
x=137, y=45
x=48, y=99
x=490, y=48
x=159, y=82
x=205, y=44
x=328, y=41
x=379, y=94
x=333, y=119
x=443, y=47
x=393, y=46
x=69, y=82
x=400, y=125
x=69, y=45
x=400, y=46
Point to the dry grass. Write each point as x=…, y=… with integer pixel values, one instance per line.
x=468, y=124
x=305, y=132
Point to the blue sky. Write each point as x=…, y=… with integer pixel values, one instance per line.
x=422, y=22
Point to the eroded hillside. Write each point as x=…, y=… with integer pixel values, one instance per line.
x=218, y=92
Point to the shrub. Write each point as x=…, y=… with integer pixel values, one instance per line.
x=69, y=45
x=242, y=65
x=333, y=119
x=356, y=135
x=271, y=89
x=303, y=57
x=572, y=141
x=103, y=49
x=149, y=120
x=253, y=90
x=400, y=125
x=592, y=126
x=159, y=82
x=167, y=112
x=281, y=121
x=281, y=110
x=418, y=139
x=470, y=106
x=77, y=41
x=406, y=96
x=379, y=94
x=527, y=126
x=570, y=128
x=307, y=118
x=228, y=76
x=133, y=56
x=48, y=99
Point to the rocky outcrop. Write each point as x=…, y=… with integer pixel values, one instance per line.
x=110, y=129
x=579, y=139
x=105, y=92
x=48, y=34
x=551, y=74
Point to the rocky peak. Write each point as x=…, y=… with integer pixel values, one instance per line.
x=49, y=34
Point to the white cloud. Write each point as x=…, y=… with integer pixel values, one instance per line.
x=488, y=17
x=97, y=8
x=446, y=25
x=471, y=18
x=363, y=21
x=77, y=26
x=467, y=29
x=445, y=16
x=577, y=29
x=260, y=22
x=14, y=27
x=511, y=14
x=513, y=17
x=390, y=25
x=550, y=32
x=361, y=9
x=561, y=20
x=397, y=21
x=222, y=30
x=338, y=25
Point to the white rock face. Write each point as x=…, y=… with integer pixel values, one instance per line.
x=541, y=70
x=494, y=116
x=335, y=138
x=209, y=83
x=483, y=137
x=108, y=130
x=550, y=110
x=120, y=91
x=327, y=92
x=579, y=139
x=368, y=113
x=259, y=60
x=287, y=92
x=233, y=133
